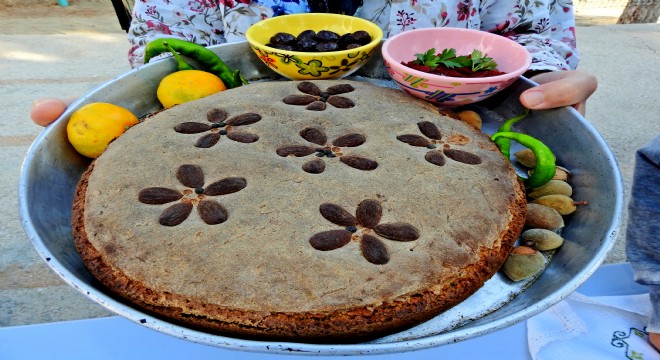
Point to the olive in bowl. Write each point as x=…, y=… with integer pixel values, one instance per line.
x=322, y=41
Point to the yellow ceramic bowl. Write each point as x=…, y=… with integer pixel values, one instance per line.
x=297, y=65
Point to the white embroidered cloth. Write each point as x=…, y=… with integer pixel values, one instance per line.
x=602, y=328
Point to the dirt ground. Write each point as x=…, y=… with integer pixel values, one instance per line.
x=31, y=18
x=96, y=16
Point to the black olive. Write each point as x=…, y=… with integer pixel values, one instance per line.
x=328, y=46
x=352, y=228
x=307, y=45
x=327, y=36
x=322, y=41
x=362, y=37
x=282, y=38
x=199, y=190
x=307, y=34
x=344, y=40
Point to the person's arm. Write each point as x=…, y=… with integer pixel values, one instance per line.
x=642, y=240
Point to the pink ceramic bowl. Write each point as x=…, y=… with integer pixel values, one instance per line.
x=511, y=58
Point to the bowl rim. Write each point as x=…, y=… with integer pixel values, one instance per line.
x=375, y=40
x=464, y=80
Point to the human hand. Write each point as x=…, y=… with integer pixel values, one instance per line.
x=654, y=339
x=45, y=111
x=560, y=88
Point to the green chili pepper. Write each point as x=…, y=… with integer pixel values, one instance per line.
x=505, y=144
x=182, y=64
x=545, y=160
x=205, y=57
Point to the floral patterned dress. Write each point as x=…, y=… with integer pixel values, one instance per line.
x=545, y=27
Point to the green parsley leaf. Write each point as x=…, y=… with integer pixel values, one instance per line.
x=475, y=61
x=482, y=62
x=428, y=59
x=447, y=54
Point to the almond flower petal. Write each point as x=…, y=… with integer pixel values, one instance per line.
x=300, y=99
x=212, y=212
x=216, y=115
x=315, y=166
x=207, y=140
x=158, y=195
x=337, y=215
x=190, y=176
x=225, y=186
x=330, y=240
x=175, y=214
x=435, y=157
x=244, y=119
x=339, y=89
x=314, y=135
x=349, y=140
x=429, y=130
x=242, y=137
x=369, y=213
x=397, y=231
x=191, y=128
x=463, y=156
x=414, y=140
x=316, y=106
x=340, y=102
x=358, y=162
x=374, y=250
x=309, y=88
x=295, y=150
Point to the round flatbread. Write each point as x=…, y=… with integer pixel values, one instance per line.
x=330, y=210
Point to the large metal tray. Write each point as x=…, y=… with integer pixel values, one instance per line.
x=52, y=168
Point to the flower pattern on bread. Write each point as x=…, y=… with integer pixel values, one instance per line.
x=192, y=177
x=332, y=149
x=315, y=99
x=365, y=227
x=432, y=138
x=220, y=124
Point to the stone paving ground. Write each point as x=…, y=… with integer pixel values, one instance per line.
x=54, y=51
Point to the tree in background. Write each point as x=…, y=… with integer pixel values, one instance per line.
x=640, y=11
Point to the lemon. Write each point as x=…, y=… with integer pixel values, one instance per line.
x=187, y=85
x=92, y=127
